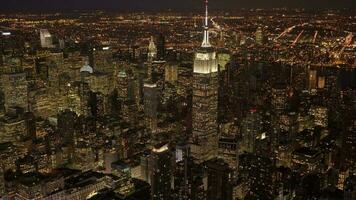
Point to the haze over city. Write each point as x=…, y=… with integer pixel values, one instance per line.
x=180, y=5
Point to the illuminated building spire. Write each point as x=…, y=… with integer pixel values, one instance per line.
x=152, y=50
x=206, y=42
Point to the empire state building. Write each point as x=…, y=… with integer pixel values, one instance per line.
x=205, y=99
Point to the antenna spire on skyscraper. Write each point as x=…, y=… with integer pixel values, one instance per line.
x=206, y=42
x=206, y=13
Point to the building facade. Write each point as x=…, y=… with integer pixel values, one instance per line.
x=205, y=99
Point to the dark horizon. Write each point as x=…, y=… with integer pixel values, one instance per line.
x=175, y=5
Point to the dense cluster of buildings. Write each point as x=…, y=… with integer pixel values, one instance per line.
x=88, y=111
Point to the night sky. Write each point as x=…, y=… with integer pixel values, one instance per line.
x=133, y=5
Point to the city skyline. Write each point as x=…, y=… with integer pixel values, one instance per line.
x=257, y=104
x=160, y=5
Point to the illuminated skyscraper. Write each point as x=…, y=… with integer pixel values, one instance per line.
x=171, y=72
x=205, y=98
x=15, y=88
x=259, y=36
x=150, y=106
x=152, y=50
x=161, y=172
x=312, y=79
x=67, y=129
x=223, y=59
x=279, y=97
x=46, y=39
x=103, y=60
x=251, y=129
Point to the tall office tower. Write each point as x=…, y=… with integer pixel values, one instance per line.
x=219, y=180
x=182, y=171
x=103, y=60
x=41, y=69
x=223, y=59
x=321, y=82
x=61, y=43
x=30, y=121
x=135, y=91
x=197, y=191
x=161, y=47
x=171, y=72
x=66, y=130
x=251, y=128
x=205, y=99
x=145, y=168
x=114, y=104
x=150, y=106
x=279, y=97
x=84, y=99
x=257, y=172
x=85, y=75
x=299, y=77
x=13, y=127
x=152, y=51
x=228, y=143
x=55, y=64
x=15, y=88
x=161, y=172
x=130, y=106
x=127, y=92
x=122, y=81
x=312, y=80
x=259, y=36
x=46, y=39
